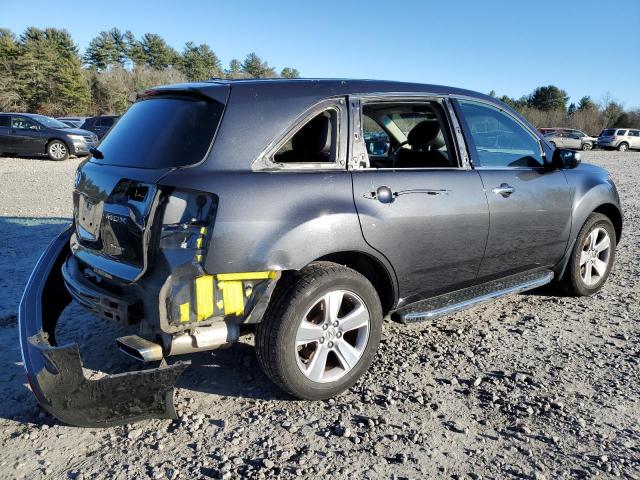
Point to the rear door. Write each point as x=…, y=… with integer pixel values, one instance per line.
x=103, y=124
x=529, y=204
x=430, y=223
x=634, y=139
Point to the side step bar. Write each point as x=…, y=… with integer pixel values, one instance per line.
x=468, y=297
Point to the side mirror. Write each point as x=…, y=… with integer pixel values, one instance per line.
x=565, y=159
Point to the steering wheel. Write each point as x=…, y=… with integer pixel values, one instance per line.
x=394, y=153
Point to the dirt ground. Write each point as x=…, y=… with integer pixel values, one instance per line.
x=532, y=386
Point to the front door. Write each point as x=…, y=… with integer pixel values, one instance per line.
x=429, y=220
x=26, y=136
x=529, y=203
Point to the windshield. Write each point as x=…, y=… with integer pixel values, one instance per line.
x=50, y=122
x=162, y=132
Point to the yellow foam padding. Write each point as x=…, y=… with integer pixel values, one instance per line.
x=228, y=277
x=184, y=312
x=232, y=296
x=204, y=296
x=199, y=242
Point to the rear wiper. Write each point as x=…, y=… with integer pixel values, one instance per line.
x=96, y=153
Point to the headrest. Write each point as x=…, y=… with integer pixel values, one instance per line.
x=424, y=134
x=314, y=137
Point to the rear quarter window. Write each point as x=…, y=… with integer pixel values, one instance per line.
x=161, y=132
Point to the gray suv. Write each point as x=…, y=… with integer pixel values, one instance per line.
x=263, y=211
x=622, y=139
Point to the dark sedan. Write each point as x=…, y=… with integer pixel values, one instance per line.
x=29, y=134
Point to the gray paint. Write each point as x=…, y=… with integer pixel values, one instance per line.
x=282, y=220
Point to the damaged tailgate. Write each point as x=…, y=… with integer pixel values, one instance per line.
x=55, y=372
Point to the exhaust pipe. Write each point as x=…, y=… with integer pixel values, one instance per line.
x=140, y=348
x=211, y=337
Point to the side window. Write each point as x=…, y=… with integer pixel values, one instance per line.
x=407, y=135
x=5, y=121
x=105, y=122
x=499, y=139
x=632, y=133
x=621, y=133
x=22, y=123
x=314, y=142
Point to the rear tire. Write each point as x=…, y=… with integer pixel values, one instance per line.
x=57, y=150
x=320, y=332
x=623, y=147
x=592, y=258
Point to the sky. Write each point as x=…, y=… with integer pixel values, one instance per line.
x=585, y=47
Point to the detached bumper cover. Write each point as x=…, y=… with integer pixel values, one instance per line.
x=55, y=372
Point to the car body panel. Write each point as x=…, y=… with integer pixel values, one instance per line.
x=434, y=232
x=529, y=228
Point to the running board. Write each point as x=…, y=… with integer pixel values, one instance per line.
x=468, y=297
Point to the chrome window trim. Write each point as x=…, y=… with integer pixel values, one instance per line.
x=265, y=161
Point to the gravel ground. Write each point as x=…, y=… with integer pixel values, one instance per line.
x=531, y=386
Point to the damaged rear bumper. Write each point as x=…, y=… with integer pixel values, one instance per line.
x=55, y=372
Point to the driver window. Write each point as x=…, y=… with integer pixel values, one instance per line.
x=22, y=123
x=500, y=140
x=407, y=135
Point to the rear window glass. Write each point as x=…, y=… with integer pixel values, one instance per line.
x=162, y=132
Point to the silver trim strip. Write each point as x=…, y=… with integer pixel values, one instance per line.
x=456, y=307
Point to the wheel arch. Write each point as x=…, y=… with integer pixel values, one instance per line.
x=372, y=269
x=613, y=213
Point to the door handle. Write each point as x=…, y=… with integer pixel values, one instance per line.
x=504, y=189
x=384, y=194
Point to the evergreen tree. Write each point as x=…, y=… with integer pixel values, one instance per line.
x=106, y=50
x=134, y=50
x=156, y=51
x=549, y=98
x=254, y=67
x=288, y=72
x=586, y=103
x=49, y=75
x=9, y=51
x=234, y=70
x=198, y=62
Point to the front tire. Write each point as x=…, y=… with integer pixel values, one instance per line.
x=593, y=255
x=320, y=332
x=623, y=147
x=57, y=150
x=587, y=146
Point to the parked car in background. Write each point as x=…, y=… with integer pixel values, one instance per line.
x=570, y=138
x=29, y=134
x=100, y=125
x=622, y=139
x=75, y=122
x=263, y=209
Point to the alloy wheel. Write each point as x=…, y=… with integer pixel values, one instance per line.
x=332, y=336
x=58, y=151
x=595, y=255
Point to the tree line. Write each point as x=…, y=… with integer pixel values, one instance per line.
x=43, y=71
x=549, y=106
